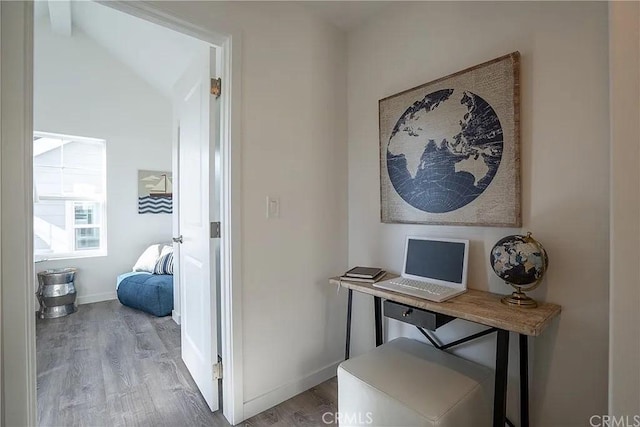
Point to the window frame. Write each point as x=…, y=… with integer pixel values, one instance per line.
x=72, y=200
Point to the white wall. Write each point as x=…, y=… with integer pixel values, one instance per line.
x=80, y=89
x=294, y=148
x=624, y=351
x=565, y=172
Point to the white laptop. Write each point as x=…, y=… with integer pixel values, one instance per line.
x=434, y=269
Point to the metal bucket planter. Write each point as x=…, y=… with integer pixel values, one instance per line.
x=56, y=293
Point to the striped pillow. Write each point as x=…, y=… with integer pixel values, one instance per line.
x=164, y=265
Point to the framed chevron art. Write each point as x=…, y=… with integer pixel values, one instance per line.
x=155, y=192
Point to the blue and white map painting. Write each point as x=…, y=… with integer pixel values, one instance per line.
x=155, y=192
x=449, y=149
x=445, y=150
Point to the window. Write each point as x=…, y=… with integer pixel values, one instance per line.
x=69, y=196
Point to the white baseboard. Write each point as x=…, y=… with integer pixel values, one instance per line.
x=288, y=390
x=88, y=299
x=175, y=316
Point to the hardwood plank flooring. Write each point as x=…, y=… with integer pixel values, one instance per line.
x=109, y=365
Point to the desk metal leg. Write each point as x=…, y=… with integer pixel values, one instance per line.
x=348, y=343
x=377, y=307
x=524, y=381
x=500, y=394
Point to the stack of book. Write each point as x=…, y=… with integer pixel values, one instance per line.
x=364, y=274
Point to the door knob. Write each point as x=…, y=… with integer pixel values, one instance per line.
x=177, y=239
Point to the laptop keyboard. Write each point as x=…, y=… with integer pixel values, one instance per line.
x=418, y=288
x=431, y=288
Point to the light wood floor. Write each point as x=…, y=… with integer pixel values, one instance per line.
x=109, y=365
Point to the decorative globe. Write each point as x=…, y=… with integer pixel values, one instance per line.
x=520, y=261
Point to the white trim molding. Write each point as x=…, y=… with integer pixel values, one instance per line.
x=290, y=389
x=175, y=316
x=104, y=296
x=17, y=268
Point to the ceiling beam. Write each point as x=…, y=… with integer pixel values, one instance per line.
x=60, y=16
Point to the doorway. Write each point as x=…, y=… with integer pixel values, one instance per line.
x=25, y=366
x=123, y=86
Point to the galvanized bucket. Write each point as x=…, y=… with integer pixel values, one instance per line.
x=56, y=292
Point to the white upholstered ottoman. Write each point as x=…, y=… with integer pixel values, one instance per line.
x=408, y=383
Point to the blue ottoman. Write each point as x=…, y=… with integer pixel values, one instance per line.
x=151, y=293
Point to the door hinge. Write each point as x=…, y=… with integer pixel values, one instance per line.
x=216, y=87
x=217, y=371
x=215, y=230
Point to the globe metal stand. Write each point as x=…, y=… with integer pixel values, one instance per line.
x=519, y=298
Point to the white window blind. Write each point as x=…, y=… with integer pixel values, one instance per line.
x=69, y=196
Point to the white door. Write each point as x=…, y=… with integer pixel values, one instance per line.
x=196, y=111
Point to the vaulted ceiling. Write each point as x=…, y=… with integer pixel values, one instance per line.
x=156, y=54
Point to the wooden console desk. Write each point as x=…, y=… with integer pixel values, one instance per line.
x=475, y=306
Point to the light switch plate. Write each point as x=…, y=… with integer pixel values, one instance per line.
x=273, y=207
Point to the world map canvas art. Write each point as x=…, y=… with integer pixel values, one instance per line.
x=450, y=149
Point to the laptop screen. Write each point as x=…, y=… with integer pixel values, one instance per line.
x=435, y=259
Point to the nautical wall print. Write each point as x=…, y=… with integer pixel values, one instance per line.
x=449, y=149
x=155, y=192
